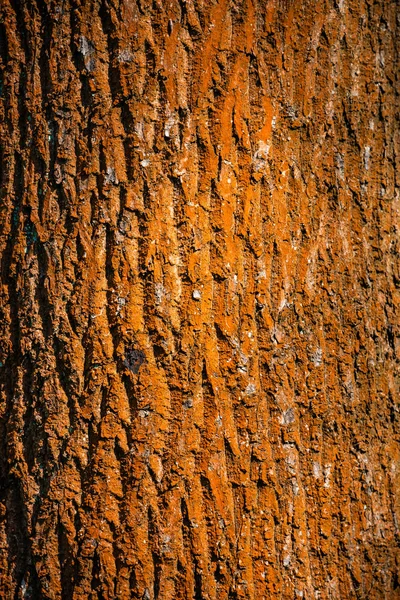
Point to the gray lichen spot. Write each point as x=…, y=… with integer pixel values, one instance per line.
x=288, y=416
x=250, y=389
x=291, y=111
x=86, y=48
x=367, y=155
x=159, y=292
x=317, y=357
x=286, y=561
x=125, y=56
x=340, y=166
x=260, y=156
x=144, y=413
x=110, y=176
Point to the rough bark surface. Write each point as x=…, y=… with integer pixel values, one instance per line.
x=199, y=317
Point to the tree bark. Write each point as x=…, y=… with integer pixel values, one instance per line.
x=199, y=319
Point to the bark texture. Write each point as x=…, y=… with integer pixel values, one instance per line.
x=199, y=319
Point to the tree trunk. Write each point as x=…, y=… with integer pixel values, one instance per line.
x=199, y=331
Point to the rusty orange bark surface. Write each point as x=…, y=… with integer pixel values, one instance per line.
x=199, y=308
